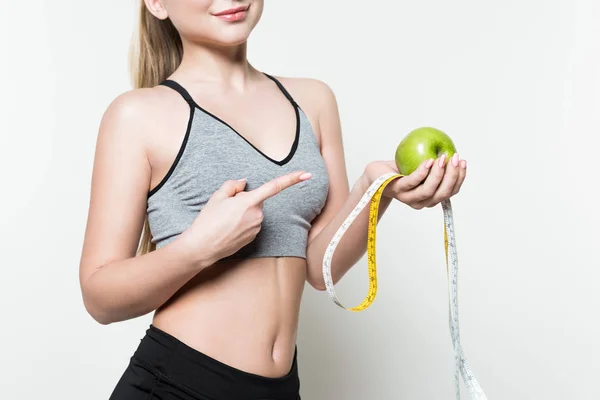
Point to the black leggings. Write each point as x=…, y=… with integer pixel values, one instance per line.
x=164, y=368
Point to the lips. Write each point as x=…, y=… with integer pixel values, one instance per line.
x=230, y=11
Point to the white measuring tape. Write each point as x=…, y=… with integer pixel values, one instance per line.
x=373, y=196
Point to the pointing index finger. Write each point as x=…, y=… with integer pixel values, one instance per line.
x=277, y=185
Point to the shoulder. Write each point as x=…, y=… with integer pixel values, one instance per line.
x=318, y=101
x=134, y=108
x=134, y=114
x=307, y=84
x=310, y=91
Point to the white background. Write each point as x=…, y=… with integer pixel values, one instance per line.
x=515, y=83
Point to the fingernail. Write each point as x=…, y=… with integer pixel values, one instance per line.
x=429, y=163
x=442, y=160
x=455, y=159
x=305, y=175
x=243, y=179
x=464, y=164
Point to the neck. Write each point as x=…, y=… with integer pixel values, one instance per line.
x=216, y=64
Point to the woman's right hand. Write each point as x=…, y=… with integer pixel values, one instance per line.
x=232, y=218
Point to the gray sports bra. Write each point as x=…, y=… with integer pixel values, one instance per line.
x=213, y=152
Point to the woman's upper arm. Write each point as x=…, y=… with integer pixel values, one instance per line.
x=329, y=132
x=119, y=185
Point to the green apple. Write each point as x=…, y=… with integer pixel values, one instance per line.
x=422, y=144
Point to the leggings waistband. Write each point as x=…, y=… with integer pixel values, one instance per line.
x=182, y=365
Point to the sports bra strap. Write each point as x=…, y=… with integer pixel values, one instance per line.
x=179, y=89
x=283, y=90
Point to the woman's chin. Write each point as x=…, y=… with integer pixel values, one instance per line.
x=231, y=39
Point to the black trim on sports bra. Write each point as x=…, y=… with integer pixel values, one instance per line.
x=185, y=94
x=283, y=89
x=179, y=153
x=179, y=89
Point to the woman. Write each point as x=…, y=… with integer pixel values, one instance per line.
x=236, y=181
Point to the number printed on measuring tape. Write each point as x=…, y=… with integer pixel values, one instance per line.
x=373, y=196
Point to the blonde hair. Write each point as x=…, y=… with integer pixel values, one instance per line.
x=155, y=52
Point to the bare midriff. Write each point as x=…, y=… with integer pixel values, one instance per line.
x=243, y=313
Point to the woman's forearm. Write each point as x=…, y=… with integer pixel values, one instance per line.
x=133, y=287
x=353, y=244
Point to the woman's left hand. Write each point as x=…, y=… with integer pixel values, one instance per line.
x=431, y=183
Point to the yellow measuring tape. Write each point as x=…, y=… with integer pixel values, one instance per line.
x=371, y=245
x=374, y=192
x=373, y=196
